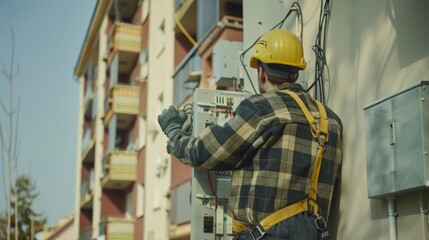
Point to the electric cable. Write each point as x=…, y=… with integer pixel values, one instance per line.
x=184, y=31
x=209, y=180
x=319, y=51
x=301, y=21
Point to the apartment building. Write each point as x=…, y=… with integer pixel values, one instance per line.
x=112, y=70
x=132, y=65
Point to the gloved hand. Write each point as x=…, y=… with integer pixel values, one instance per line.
x=170, y=121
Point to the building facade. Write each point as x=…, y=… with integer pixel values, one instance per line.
x=140, y=56
x=112, y=71
x=64, y=229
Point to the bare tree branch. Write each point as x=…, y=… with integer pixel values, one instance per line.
x=16, y=72
x=16, y=157
x=3, y=106
x=2, y=143
x=4, y=71
x=14, y=153
x=12, y=57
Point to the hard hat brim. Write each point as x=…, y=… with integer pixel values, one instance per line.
x=276, y=73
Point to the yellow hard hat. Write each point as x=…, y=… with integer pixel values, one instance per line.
x=279, y=46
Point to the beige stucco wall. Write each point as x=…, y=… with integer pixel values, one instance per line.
x=374, y=48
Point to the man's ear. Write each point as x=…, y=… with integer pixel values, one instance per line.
x=262, y=75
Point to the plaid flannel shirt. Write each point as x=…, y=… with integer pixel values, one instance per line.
x=269, y=146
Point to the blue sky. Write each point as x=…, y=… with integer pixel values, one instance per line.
x=48, y=38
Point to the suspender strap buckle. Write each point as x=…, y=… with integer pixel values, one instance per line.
x=312, y=207
x=257, y=232
x=321, y=227
x=320, y=222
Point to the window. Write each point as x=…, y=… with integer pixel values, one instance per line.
x=161, y=36
x=141, y=140
x=161, y=167
x=144, y=67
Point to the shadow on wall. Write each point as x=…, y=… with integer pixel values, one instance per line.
x=335, y=210
x=412, y=32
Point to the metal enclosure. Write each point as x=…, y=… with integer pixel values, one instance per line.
x=397, y=142
x=210, y=190
x=226, y=63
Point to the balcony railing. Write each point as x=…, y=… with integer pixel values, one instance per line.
x=124, y=101
x=119, y=169
x=180, y=207
x=88, y=98
x=86, y=234
x=86, y=195
x=124, y=39
x=186, y=76
x=88, y=147
x=117, y=228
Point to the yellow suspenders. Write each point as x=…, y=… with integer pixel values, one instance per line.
x=319, y=130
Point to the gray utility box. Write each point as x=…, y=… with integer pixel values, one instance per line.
x=397, y=142
x=226, y=59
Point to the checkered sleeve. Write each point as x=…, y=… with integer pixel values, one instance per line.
x=221, y=147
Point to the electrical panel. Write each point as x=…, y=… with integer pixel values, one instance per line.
x=211, y=189
x=397, y=142
x=226, y=60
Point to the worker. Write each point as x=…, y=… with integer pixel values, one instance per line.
x=284, y=148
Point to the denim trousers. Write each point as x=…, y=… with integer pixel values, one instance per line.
x=298, y=227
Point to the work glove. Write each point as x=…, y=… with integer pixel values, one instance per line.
x=170, y=121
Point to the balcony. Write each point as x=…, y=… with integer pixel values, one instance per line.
x=114, y=228
x=124, y=39
x=88, y=147
x=180, y=207
x=186, y=76
x=123, y=101
x=86, y=234
x=119, y=170
x=86, y=196
x=86, y=201
x=88, y=103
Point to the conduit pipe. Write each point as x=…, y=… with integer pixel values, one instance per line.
x=423, y=214
x=391, y=213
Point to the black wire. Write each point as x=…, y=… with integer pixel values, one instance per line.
x=244, y=67
x=300, y=20
x=187, y=107
x=319, y=50
x=284, y=19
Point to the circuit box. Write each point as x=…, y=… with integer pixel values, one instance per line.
x=397, y=142
x=210, y=189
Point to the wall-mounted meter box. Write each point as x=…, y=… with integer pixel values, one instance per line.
x=397, y=142
x=226, y=59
